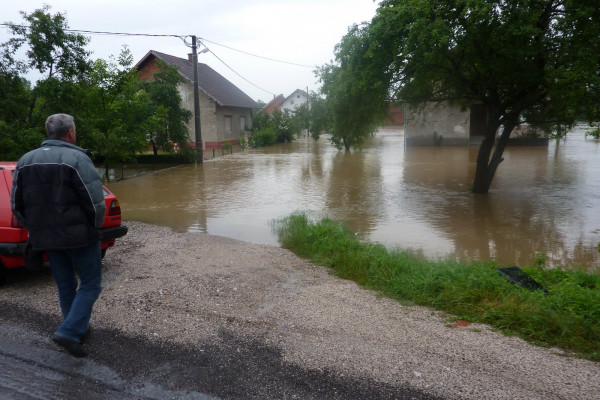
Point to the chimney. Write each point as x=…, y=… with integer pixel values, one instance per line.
x=190, y=57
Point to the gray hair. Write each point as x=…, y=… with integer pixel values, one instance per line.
x=58, y=125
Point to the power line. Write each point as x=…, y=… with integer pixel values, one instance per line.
x=176, y=36
x=235, y=72
x=182, y=37
x=103, y=32
x=256, y=55
x=225, y=64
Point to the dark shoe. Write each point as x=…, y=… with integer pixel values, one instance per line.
x=86, y=335
x=74, y=348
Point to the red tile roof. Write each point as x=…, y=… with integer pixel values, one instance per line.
x=274, y=104
x=213, y=84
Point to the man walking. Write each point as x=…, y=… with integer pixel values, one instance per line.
x=57, y=195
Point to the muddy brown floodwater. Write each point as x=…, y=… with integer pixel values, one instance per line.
x=544, y=202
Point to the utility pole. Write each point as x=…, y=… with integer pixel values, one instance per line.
x=197, y=129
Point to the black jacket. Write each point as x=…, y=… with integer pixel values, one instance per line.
x=57, y=194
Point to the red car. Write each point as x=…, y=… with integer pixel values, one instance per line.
x=13, y=236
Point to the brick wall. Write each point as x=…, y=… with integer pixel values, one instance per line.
x=148, y=69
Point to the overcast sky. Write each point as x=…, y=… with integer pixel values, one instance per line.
x=297, y=31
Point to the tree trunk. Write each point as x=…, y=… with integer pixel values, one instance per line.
x=155, y=150
x=486, y=167
x=106, y=172
x=346, y=144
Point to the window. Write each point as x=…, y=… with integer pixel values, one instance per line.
x=243, y=123
x=228, y=123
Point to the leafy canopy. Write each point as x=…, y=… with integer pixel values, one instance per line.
x=354, y=100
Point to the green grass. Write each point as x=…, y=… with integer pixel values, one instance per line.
x=568, y=316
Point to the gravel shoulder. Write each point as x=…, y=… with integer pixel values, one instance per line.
x=204, y=294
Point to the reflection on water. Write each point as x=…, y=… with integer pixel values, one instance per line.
x=544, y=200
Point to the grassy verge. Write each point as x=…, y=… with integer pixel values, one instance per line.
x=568, y=316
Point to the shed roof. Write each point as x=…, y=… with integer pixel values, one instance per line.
x=213, y=84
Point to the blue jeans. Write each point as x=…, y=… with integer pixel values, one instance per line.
x=76, y=304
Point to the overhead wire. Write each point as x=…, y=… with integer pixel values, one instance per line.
x=183, y=37
x=238, y=74
x=258, y=56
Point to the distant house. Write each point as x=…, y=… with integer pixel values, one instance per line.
x=294, y=100
x=290, y=103
x=443, y=124
x=274, y=104
x=446, y=123
x=225, y=111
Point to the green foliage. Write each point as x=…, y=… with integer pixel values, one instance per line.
x=53, y=50
x=16, y=135
x=114, y=112
x=261, y=120
x=264, y=137
x=568, y=316
x=356, y=104
x=278, y=127
x=286, y=126
x=226, y=145
x=62, y=60
x=243, y=142
x=168, y=117
x=595, y=133
x=319, y=116
x=113, y=115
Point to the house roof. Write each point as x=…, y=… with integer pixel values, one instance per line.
x=213, y=84
x=274, y=104
x=299, y=91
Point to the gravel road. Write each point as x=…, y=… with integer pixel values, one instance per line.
x=195, y=313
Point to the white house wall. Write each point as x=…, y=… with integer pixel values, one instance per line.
x=436, y=124
x=294, y=101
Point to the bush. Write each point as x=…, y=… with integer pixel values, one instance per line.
x=264, y=137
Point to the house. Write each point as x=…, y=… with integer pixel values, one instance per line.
x=439, y=123
x=294, y=100
x=290, y=103
x=449, y=124
x=274, y=104
x=225, y=111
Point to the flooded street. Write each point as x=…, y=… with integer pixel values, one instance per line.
x=544, y=202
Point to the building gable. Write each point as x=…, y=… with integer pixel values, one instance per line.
x=213, y=84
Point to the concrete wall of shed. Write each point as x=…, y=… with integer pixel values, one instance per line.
x=436, y=124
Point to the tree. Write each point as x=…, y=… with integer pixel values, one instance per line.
x=285, y=125
x=355, y=102
x=59, y=57
x=56, y=54
x=319, y=116
x=168, y=115
x=114, y=118
x=524, y=60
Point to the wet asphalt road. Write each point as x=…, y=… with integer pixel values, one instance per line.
x=121, y=367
